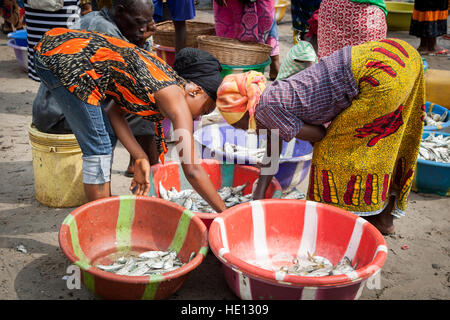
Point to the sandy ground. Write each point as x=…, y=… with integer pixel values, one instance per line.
x=420, y=272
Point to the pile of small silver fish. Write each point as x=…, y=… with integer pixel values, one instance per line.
x=256, y=154
x=435, y=147
x=317, y=266
x=146, y=263
x=251, y=153
x=191, y=200
x=435, y=119
x=293, y=193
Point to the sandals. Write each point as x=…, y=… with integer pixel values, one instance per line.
x=443, y=53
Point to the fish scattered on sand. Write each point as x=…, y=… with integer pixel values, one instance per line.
x=146, y=263
x=22, y=248
x=435, y=147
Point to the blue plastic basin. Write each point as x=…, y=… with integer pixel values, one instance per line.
x=435, y=108
x=292, y=170
x=432, y=176
x=20, y=36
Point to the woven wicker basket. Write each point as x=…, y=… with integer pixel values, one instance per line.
x=165, y=33
x=233, y=52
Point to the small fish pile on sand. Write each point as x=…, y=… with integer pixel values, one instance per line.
x=146, y=263
x=435, y=147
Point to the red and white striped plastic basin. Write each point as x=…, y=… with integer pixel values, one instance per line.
x=259, y=230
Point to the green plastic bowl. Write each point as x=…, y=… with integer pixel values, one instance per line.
x=399, y=15
x=227, y=69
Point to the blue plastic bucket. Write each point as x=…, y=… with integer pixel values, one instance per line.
x=435, y=108
x=20, y=36
x=432, y=176
x=294, y=164
x=425, y=64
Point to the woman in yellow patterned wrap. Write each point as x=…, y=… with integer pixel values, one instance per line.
x=374, y=95
x=370, y=172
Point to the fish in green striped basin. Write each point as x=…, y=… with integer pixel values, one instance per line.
x=145, y=263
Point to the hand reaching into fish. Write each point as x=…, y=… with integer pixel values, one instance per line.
x=140, y=184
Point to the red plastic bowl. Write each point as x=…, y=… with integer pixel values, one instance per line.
x=221, y=174
x=165, y=53
x=259, y=230
x=96, y=229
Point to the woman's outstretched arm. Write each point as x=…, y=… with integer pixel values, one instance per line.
x=172, y=104
x=141, y=179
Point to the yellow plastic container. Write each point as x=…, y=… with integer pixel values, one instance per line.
x=437, y=85
x=399, y=15
x=57, y=167
x=280, y=9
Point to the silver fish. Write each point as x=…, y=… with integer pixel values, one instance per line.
x=149, y=262
x=111, y=268
x=163, y=192
x=435, y=147
x=188, y=204
x=151, y=254
x=191, y=200
x=317, y=266
x=435, y=119
x=293, y=193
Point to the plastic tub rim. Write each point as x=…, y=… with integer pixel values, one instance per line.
x=171, y=275
x=403, y=4
x=259, y=65
x=207, y=215
x=241, y=266
x=163, y=48
x=446, y=124
x=12, y=43
x=240, y=158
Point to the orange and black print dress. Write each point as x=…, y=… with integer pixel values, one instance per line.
x=93, y=66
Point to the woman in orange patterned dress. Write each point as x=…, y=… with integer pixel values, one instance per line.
x=81, y=68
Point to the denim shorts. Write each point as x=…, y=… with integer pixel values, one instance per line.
x=90, y=125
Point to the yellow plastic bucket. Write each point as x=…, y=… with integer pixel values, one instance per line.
x=437, y=84
x=57, y=167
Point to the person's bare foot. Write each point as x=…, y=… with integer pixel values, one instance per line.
x=384, y=223
x=423, y=46
x=434, y=49
x=422, y=50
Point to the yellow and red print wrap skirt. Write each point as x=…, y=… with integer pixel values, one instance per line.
x=370, y=150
